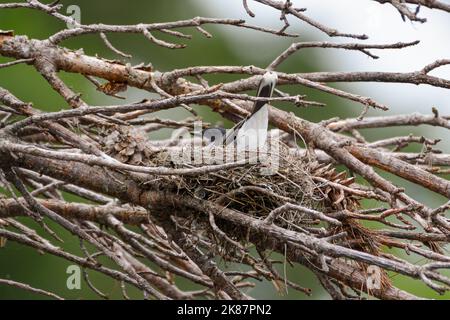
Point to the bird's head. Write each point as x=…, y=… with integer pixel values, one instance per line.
x=270, y=77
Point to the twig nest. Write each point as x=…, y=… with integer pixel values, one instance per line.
x=268, y=179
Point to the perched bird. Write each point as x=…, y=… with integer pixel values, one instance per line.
x=250, y=133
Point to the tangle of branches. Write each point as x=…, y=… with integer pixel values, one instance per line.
x=165, y=220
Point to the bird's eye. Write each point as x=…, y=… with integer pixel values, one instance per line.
x=213, y=138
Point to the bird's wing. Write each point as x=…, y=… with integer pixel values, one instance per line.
x=264, y=91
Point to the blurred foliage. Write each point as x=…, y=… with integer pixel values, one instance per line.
x=48, y=272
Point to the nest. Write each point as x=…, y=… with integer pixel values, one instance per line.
x=300, y=180
x=246, y=188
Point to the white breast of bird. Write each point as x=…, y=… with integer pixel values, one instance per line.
x=252, y=135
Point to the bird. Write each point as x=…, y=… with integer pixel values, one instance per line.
x=250, y=133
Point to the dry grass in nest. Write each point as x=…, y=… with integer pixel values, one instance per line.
x=248, y=190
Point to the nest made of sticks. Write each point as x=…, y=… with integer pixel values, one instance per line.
x=299, y=179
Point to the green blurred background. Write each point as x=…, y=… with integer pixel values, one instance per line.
x=229, y=46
